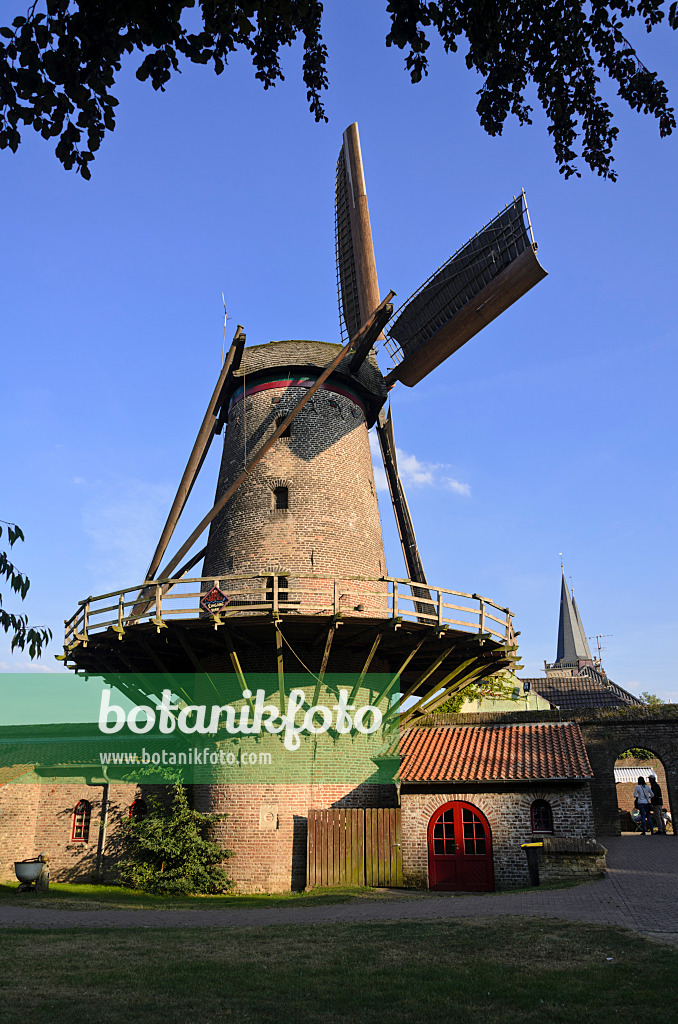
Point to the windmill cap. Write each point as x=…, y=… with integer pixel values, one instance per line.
x=301, y=356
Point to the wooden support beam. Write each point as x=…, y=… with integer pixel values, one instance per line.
x=170, y=681
x=378, y=318
x=474, y=677
x=193, y=560
x=326, y=655
x=440, y=685
x=387, y=689
x=143, y=606
x=119, y=678
x=281, y=669
x=408, y=540
x=197, y=665
x=198, y=453
x=368, y=662
x=178, y=633
x=321, y=635
x=469, y=672
x=235, y=660
x=419, y=682
x=366, y=345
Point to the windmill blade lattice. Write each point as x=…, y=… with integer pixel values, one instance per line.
x=481, y=280
x=347, y=278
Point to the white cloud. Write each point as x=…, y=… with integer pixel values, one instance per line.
x=25, y=665
x=457, y=487
x=414, y=472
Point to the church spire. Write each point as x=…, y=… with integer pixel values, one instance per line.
x=572, y=642
x=582, y=633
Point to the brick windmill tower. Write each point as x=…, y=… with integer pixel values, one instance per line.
x=294, y=578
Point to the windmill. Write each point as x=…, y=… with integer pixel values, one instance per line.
x=294, y=572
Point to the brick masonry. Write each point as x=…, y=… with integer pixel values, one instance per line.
x=266, y=824
x=263, y=823
x=508, y=815
x=331, y=527
x=266, y=827
x=38, y=817
x=564, y=859
x=607, y=733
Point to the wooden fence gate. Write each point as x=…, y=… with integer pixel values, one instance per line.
x=355, y=846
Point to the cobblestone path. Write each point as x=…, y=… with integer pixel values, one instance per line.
x=639, y=892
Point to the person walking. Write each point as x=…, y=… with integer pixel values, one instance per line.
x=657, y=806
x=642, y=795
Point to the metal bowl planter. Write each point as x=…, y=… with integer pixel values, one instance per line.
x=28, y=871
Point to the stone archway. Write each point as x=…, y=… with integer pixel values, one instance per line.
x=628, y=769
x=608, y=734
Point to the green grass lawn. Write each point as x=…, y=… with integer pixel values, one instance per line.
x=64, y=896
x=485, y=970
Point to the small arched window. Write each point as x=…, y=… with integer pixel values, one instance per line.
x=81, y=817
x=138, y=810
x=542, y=816
x=282, y=498
x=287, y=432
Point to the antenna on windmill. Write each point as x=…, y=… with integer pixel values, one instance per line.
x=223, y=339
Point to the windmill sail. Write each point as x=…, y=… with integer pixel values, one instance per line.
x=347, y=280
x=483, y=278
x=356, y=268
x=415, y=570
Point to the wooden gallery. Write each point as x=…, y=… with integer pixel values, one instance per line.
x=293, y=585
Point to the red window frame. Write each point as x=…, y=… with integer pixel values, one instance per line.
x=138, y=809
x=81, y=819
x=541, y=809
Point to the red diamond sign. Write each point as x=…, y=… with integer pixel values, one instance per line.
x=214, y=601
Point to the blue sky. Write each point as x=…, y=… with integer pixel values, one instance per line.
x=552, y=430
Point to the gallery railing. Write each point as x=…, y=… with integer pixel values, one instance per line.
x=159, y=602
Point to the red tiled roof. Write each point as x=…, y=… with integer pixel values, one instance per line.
x=484, y=753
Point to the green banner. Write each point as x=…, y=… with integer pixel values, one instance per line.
x=198, y=728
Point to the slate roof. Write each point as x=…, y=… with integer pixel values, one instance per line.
x=569, y=693
x=494, y=753
x=572, y=642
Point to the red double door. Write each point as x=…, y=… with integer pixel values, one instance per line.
x=460, y=849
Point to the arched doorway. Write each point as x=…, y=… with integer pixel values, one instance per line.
x=460, y=849
x=632, y=764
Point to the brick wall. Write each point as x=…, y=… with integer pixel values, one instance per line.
x=331, y=527
x=18, y=815
x=562, y=860
x=38, y=818
x=607, y=733
x=508, y=815
x=265, y=823
x=265, y=827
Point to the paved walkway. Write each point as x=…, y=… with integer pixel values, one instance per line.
x=639, y=892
